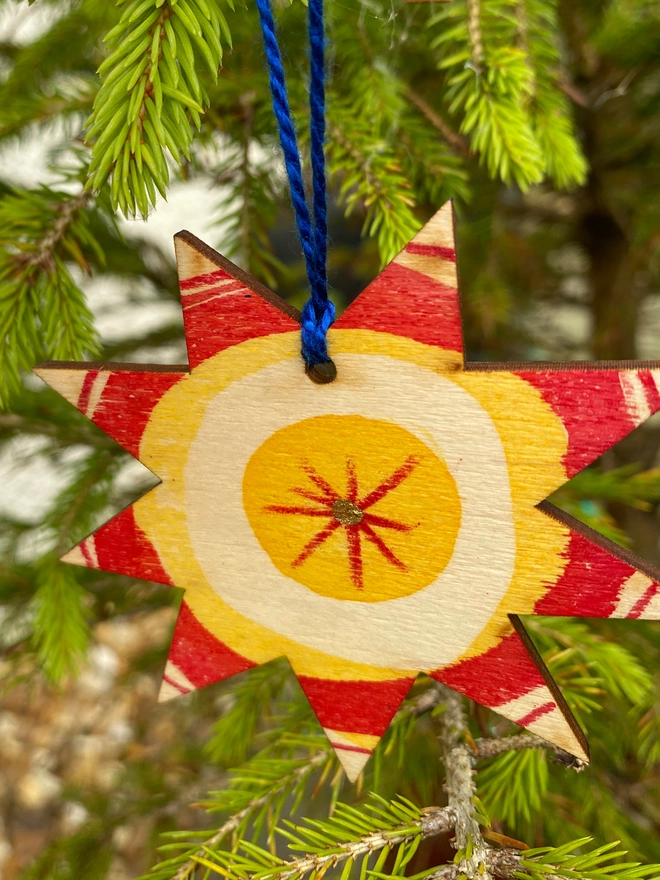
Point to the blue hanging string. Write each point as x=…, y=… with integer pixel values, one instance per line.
x=318, y=312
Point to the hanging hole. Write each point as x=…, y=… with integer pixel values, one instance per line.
x=321, y=374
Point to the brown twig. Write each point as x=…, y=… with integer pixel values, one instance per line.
x=455, y=140
x=490, y=748
x=460, y=788
x=42, y=258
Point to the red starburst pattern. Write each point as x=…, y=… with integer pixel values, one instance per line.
x=350, y=512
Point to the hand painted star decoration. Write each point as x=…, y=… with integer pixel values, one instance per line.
x=390, y=522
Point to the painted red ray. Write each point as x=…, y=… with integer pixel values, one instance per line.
x=319, y=538
x=320, y=482
x=365, y=708
x=116, y=397
x=355, y=556
x=389, y=484
x=197, y=658
x=222, y=304
x=378, y=542
x=120, y=546
x=599, y=404
x=351, y=481
x=601, y=579
x=416, y=295
x=512, y=679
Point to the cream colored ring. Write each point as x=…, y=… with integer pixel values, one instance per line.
x=415, y=631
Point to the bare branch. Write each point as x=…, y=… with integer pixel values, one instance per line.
x=452, y=137
x=461, y=789
x=186, y=869
x=489, y=748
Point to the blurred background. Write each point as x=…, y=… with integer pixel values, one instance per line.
x=567, y=268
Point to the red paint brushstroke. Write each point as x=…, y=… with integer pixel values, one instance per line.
x=226, y=316
x=122, y=547
x=431, y=250
x=84, y=549
x=206, y=279
x=345, y=748
x=650, y=390
x=535, y=714
x=127, y=402
x=381, y=546
x=592, y=407
x=399, y=475
x=318, y=539
x=355, y=555
x=641, y=604
x=355, y=706
x=176, y=685
x=503, y=673
x=86, y=390
x=202, y=657
x=407, y=303
x=590, y=583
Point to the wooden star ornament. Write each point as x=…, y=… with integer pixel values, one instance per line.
x=390, y=522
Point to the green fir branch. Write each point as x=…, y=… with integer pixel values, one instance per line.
x=570, y=861
x=152, y=97
x=501, y=65
x=351, y=836
x=256, y=793
x=551, y=121
x=251, y=704
x=60, y=628
x=43, y=312
x=371, y=177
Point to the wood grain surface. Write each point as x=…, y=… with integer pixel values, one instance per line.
x=392, y=522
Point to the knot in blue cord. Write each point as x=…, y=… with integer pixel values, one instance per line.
x=319, y=312
x=314, y=329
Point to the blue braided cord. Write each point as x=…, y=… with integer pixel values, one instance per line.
x=318, y=313
x=317, y=138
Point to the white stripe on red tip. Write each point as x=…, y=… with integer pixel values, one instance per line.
x=634, y=394
x=174, y=683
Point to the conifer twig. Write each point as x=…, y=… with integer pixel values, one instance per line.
x=490, y=748
x=474, y=29
x=235, y=821
x=42, y=257
x=436, y=820
x=453, y=138
x=460, y=789
x=498, y=862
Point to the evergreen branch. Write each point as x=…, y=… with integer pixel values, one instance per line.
x=490, y=748
x=552, y=863
x=564, y=861
x=251, y=701
x=351, y=833
x=60, y=630
x=434, y=171
x=43, y=313
x=286, y=782
x=460, y=788
x=42, y=256
x=453, y=138
x=503, y=78
x=498, y=862
x=551, y=121
x=474, y=30
x=372, y=177
x=151, y=91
